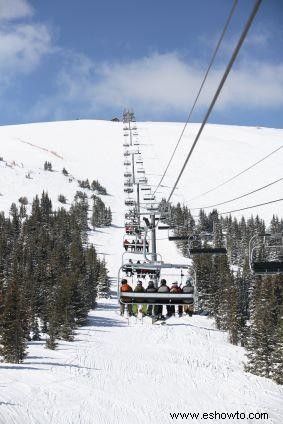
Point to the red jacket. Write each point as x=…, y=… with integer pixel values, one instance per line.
x=126, y=288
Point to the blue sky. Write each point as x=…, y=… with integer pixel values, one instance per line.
x=88, y=59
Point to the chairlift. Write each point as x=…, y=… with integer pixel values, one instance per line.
x=142, y=180
x=149, y=197
x=156, y=269
x=152, y=208
x=130, y=202
x=266, y=254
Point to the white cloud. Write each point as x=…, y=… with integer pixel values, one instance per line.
x=14, y=9
x=164, y=83
x=22, y=46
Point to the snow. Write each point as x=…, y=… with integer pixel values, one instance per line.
x=119, y=373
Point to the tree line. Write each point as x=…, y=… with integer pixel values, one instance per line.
x=249, y=307
x=50, y=276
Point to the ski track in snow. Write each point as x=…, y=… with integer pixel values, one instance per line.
x=119, y=373
x=115, y=373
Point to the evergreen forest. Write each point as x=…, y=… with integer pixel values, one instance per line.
x=50, y=276
x=248, y=307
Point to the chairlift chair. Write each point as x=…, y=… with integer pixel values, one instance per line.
x=149, y=197
x=271, y=246
x=142, y=180
x=130, y=298
x=130, y=202
x=127, y=162
x=128, y=190
x=127, y=153
x=127, y=174
x=126, y=144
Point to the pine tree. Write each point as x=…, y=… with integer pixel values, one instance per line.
x=103, y=286
x=13, y=325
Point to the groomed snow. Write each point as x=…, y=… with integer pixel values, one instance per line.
x=137, y=373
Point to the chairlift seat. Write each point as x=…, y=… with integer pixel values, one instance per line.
x=129, y=202
x=208, y=251
x=173, y=238
x=262, y=268
x=156, y=298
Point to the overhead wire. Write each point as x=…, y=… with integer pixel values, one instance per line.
x=239, y=197
x=220, y=86
x=237, y=175
x=200, y=89
x=250, y=207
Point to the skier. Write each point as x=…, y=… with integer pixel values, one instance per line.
x=189, y=307
x=138, y=289
x=176, y=289
x=125, y=287
x=151, y=289
x=146, y=245
x=133, y=245
x=163, y=288
x=126, y=244
x=128, y=270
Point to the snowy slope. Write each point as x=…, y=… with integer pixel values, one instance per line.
x=115, y=373
x=94, y=149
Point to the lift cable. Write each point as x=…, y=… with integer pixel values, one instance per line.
x=237, y=175
x=250, y=207
x=224, y=77
x=239, y=197
x=199, y=91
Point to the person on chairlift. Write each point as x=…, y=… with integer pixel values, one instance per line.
x=125, y=287
x=163, y=288
x=151, y=289
x=188, y=289
x=176, y=289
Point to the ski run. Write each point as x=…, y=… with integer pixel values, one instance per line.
x=120, y=371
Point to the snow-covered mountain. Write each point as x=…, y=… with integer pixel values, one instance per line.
x=93, y=149
x=115, y=373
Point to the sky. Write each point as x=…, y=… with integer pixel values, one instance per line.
x=91, y=59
